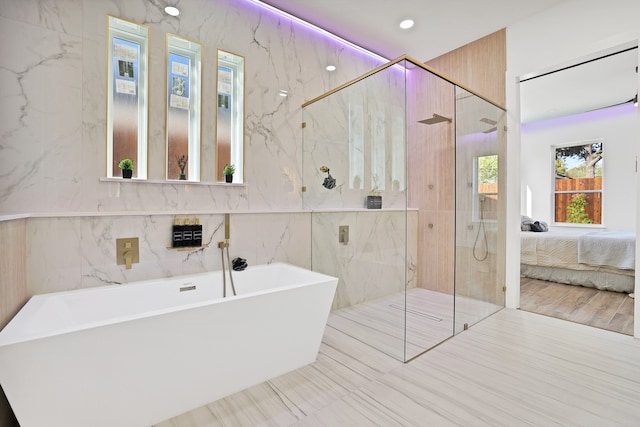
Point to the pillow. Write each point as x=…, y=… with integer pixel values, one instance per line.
x=528, y=224
x=539, y=226
x=525, y=223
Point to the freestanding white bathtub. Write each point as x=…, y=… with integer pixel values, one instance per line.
x=137, y=354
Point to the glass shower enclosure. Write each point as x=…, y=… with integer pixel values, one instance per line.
x=401, y=171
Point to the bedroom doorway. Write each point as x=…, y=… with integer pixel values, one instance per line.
x=568, y=115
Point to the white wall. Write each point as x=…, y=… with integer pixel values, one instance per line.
x=618, y=129
x=571, y=30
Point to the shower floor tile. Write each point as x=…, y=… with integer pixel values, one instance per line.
x=428, y=315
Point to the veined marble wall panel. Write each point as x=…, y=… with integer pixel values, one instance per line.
x=64, y=16
x=133, y=196
x=267, y=238
x=41, y=106
x=80, y=252
x=358, y=132
x=378, y=260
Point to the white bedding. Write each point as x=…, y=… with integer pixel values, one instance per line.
x=588, y=278
x=557, y=250
x=609, y=248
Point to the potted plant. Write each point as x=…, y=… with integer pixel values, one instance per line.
x=228, y=172
x=127, y=168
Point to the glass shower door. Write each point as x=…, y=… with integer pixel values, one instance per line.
x=354, y=173
x=431, y=170
x=426, y=263
x=480, y=139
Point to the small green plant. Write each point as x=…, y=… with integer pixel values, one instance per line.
x=126, y=164
x=576, y=211
x=228, y=170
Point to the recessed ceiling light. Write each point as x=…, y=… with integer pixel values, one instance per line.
x=406, y=24
x=172, y=10
x=331, y=68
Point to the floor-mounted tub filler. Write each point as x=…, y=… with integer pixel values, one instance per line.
x=137, y=354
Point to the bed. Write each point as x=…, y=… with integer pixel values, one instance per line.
x=596, y=259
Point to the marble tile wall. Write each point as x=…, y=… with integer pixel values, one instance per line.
x=85, y=254
x=379, y=258
x=359, y=133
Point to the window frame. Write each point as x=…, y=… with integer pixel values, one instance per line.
x=476, y=205
x=236, y=64
x=192, y=51
x=136, y=33
x=553, y=191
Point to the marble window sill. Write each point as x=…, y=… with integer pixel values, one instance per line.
x=10, y=217
x=172, y=182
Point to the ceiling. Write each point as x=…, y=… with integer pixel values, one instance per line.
x=440, y=25
x=598, y=83
x=444, y=25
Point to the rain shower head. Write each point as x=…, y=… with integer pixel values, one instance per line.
x=437, y=118
x=491, y=122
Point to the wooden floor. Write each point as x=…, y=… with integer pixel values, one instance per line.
x=608, y=310
x=513, y=369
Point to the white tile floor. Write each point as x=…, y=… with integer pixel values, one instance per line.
x=514, y=368
x=428, y=318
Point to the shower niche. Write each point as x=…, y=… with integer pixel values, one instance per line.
x=429, y=263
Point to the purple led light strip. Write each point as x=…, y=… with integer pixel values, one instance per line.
x=572, y=119
x=319, y=30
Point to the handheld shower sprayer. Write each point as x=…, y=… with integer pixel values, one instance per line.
x=222, y=246
x=482, y=198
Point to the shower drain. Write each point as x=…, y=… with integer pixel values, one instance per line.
x=416, y=312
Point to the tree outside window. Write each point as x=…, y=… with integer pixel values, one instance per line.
x=486, y=181
x=578, y=183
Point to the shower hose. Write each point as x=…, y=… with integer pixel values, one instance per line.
x=484, y=236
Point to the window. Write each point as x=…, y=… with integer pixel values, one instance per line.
x=183, y=109
x=230, y=114
x=578, y=183
x=378, y=150
x=127, y=105
x=356, y=146
x=486, y=182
